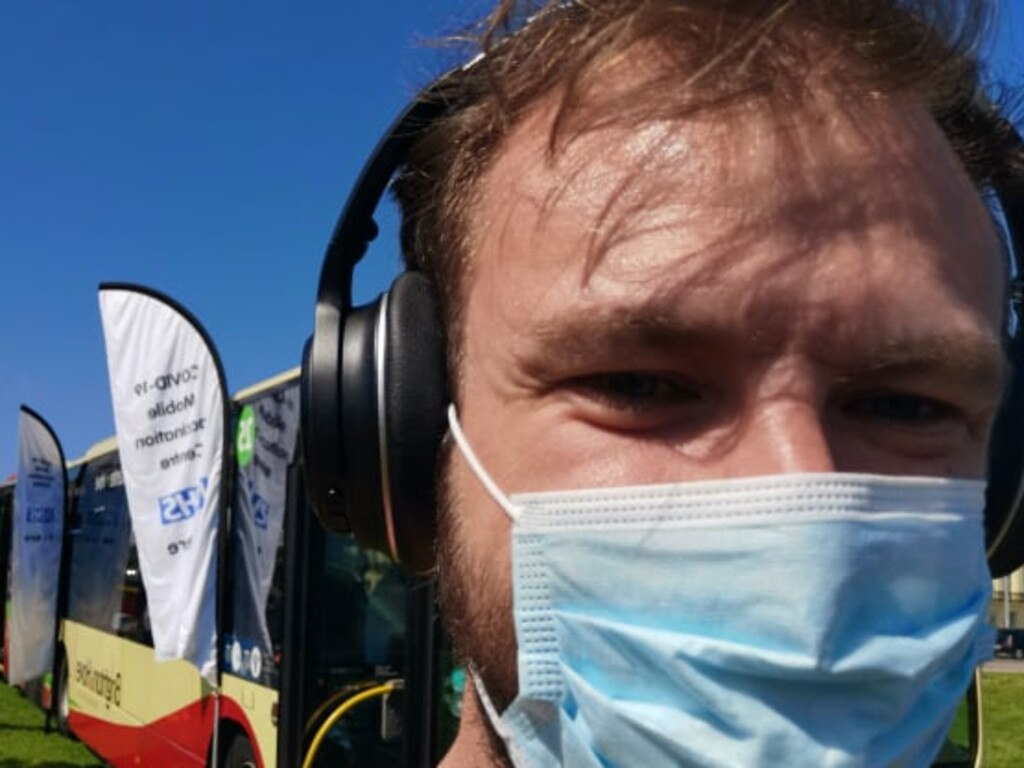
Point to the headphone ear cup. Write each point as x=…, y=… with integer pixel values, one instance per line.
x=1004, y=526
x=371, y=442
x=361, y=475
x=415, y=391
x=320, y=409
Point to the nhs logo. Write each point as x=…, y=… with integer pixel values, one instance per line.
x=260, y=511
x=258, y=505
x=39, y=514
x=183, y=504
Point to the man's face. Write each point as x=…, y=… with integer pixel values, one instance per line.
x=711, y=299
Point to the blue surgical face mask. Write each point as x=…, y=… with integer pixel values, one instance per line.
x=790, y=620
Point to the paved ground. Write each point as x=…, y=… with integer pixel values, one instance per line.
x=1005, y=665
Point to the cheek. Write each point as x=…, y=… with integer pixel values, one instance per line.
x=570, y=454
x=474, y=548
x=481, y=529
x=474, y=577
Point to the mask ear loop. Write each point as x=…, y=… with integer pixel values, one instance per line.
x=477, y=468
x=489, y=709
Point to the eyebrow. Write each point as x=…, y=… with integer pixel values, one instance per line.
x=578, y=334
x=973, y=359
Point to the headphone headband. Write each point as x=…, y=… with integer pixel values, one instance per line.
x=353, y=232
x=356, y=228
x=1005, y=494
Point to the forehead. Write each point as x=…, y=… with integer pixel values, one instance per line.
x=741, y=196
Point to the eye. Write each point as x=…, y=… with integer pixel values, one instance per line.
x=629, y=387
x=634, y=389
x=901, y=409
x=639, y=401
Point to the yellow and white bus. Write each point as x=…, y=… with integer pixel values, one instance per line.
x=333, y=662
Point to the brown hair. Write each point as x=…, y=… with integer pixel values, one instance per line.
x=710, y=53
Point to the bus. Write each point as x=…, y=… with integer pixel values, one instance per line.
x=330, y=655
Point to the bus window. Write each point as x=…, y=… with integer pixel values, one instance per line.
x=364, y=628
x=132, y=620
x=361, y=641
x=266, y=427
x=101, y=546
x=256, y=624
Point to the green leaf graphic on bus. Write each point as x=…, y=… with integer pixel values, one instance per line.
x=245, y=436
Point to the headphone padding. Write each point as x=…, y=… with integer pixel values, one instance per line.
x=361, y=474
x=416, y=394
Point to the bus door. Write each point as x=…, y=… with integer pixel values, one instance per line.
x=351, y=645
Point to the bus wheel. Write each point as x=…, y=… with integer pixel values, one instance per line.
x=63, y=701
x=240, y=754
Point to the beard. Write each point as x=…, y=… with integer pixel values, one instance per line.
x=475, y=597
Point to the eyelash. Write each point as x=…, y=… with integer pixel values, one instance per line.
x=936, y=411
x=650, y=390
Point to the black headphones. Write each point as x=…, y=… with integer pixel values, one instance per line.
x=374, y=388
x=374, y=384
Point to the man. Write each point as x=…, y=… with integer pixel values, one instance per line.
x=738, y=242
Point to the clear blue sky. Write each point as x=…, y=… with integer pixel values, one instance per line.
x=202, y=149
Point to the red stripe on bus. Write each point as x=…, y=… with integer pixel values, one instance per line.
x=177, y=740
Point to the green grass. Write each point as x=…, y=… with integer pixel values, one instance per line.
x=1003, y=706
x=23, y=744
